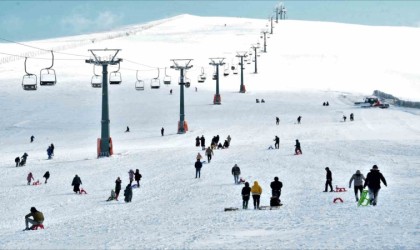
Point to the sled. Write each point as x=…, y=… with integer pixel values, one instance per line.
x=36, y=183
x=338, y=189
x=364, y=201
x=338, y=199
x=36, y=227
x=269, y=207
x=134, y=186
x=82, y=191
x=231, y=209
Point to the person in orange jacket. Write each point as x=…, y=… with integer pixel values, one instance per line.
x=256, y=191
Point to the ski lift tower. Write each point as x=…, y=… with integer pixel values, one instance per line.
x=108, y=58
x=181, y=65
x=217, y=61
x=264, y=32
x=242, y=54
x=255, y=47
x=271, y=25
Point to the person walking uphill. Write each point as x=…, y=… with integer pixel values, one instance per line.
x=373, y=182
x=46, y=176
x=246, y=191
x=117, y=188
x=131, y=175
x=277, y=142
x=203, y=142
x=236, y=171
x=30, y=178
x=276, y=186
x=17, y=161
x=329, y=180
x=358, y=183
x=209, y=153
x=128, y=193
x=76, y=184
x=38, y=218
x=137, y=177
x=256, y=191
x=198, y=165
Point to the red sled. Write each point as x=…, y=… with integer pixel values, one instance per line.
x=338, y=199
x=36, y=183
x=82, y=191
x=337, y=189
x=36, y=227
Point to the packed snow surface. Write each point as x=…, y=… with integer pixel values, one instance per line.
x=306, y=64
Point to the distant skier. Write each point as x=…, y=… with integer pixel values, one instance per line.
x=32, y=138
x=344, y=118
x=117, y=188
x=256, y=191
x=30, y=178
x=198, y=165
x=236, y=171
x=299, y=119
x=46, y=176
x=277, y=142
x=162, y=131
x=197, y=141
x=127, y=130
x=298, y=150
x=276, y=187
x=131, y=175
x=128, y=193
x=203, y=142
x=351, y=117
x=328, y=183
x=373, y=182
x=38, y=218
x=137, y=177
x=209, y=153
x=277, y=121
x=358, y=183
x=246, y=191
x=17, y=161
x=76, y=184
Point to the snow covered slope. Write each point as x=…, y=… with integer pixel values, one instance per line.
x=306, y=64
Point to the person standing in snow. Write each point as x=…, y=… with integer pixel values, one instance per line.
x=373, y=182
x=358, y=183
x=329, y=180
x=117, y=188
x=351, y=117
x=199, y=157
x=131, y=175
x=198, y=165
x=49, y=153
x=228, y=139
x=32, y=138
x=203, y=142
x=128, y=193
x=162, y=131
x=256, y=191
x=76, y=184
x=127, y=130
x=276, y=186
x=298, y=150
x=209, y=153
x=137, y=177
x=30, y=178
x=236, y=171
x=46, y=176
x=197, y=141
x=299, y=119
x=246, y=191
x=276, y=142
x=17, y=161
x=344, y=118
x=277, y=121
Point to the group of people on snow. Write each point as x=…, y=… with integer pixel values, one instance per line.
x=256, y=192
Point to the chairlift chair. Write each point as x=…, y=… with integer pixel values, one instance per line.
x=166, y=79
x=155, y=82
x=115, y=76
x=226, y=71
x=139, y=84
x=96, y=79
x=29, y=81
x=200, y=79
x=47, y=76
x=187, y=82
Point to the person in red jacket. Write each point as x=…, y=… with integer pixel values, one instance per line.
x=373, y=182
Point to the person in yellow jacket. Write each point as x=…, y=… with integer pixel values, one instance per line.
x=38, y=218
x=256, y=191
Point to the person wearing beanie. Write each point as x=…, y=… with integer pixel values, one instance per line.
x=358, y=183
x=246, y=191
x=329, y=180
x=276, y=186
x=256, y=191
x=373, y=182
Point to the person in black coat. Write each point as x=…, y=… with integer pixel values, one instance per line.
x=298, y=150
x=329, y=180
x=128, y=193
x=17, y=161
x=277, y=142
x=137, y=177
x=277, y=121
x=197, y=141
x=117, y=188
x=276, y=186
x=198, y=165
x=52, y=149
x=76, y=184
x=162, y=131
x=246, y=193
x=46, y=176
x=299, y=119
x=373, y=182
x=203, y=142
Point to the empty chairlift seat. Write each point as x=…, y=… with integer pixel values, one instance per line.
x=29, y=82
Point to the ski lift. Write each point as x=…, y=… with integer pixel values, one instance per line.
x=139, y=85
x=29, y=81
x=235, y=71
x=200, y=80
x=187, y=82
x=115, y=76
x=47, y=76
x=202, y=77
x=96, y=79
x=166, y=79
x=155, y=82
x=226, y=71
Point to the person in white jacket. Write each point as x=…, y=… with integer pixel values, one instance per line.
x=358, y=179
